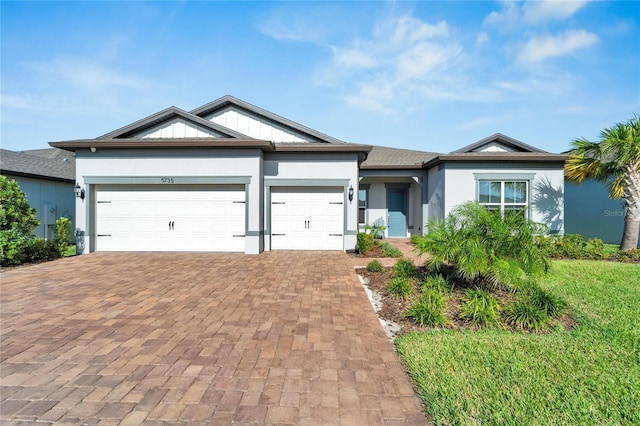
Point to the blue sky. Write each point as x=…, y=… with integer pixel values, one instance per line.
x=431, y=76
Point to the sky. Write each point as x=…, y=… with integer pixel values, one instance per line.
x=430, y=75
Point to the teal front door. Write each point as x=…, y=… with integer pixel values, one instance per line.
x=397, y=212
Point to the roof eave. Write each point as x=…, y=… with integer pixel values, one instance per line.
x=321, y=147
x=392, y=167
x=36, y=176
x=534, y=158
x=208, y=143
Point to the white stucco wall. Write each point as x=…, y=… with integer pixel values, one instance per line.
x=177, y=128
x=172, y=163
x=546, y=190
x=42, y=192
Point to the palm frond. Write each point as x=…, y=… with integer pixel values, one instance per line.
x=616, y=187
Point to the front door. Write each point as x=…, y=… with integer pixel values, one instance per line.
x=397, y=212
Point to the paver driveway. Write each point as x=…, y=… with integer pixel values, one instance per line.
x=278, y=338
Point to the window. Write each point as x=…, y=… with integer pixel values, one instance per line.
x=362, y=207
x=503, y=196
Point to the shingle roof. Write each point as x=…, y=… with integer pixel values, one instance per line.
x=382, y=157
x=52, y=163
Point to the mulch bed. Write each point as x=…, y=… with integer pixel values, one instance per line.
x=393, y=309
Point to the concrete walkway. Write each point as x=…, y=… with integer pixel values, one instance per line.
x=172, y=338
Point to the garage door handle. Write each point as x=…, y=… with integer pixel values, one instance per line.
x=171, y=223
x=278, y=235
x=104, y=235
x=239, y=202
x=277, y=202
x=238, y=235
x=335, y=202
x=335, y=235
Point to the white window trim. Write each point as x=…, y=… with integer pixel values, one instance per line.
x=502, y=205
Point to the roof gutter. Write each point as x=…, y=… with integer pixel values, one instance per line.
x=488, y=158
x=207, y=143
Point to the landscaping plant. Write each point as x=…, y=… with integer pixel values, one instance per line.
x=63, y=234
x=400, y=287
x=375, y=266
x=523, y=314
x=480, y=308
x=428, y=309
x=364, y=242
x=390, y=251
x=437, y=282
x=405, y=268
x=485, y=247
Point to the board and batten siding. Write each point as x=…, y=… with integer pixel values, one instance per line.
x=176, y=129
x=254, y=126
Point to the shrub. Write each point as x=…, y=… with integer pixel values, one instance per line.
x=400, y=287
x=428, y=309
x=628, y=255
x=63, y=234
x=375, y=266
x=390, y=251
x=438, y=283
x=524, y=315
x=376, y=230
x=405, y=268
x=480, y=308
x=546, y=301
x=37, y=249
x=17, y=221
x=571, y=246
x=482, y=245
x=364, y=242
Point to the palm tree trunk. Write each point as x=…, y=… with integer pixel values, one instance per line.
x=631, y=207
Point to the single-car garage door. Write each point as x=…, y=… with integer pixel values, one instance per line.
x=307, y=218
x=150, y=218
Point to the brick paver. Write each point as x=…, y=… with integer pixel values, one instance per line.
x=170, y=338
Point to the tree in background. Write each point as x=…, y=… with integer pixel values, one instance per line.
x=614, y=159
x=17, y=220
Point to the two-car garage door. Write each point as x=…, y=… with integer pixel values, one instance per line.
x=170, y=219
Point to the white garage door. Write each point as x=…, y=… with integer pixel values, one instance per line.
x=307, y=219
x=176, y=219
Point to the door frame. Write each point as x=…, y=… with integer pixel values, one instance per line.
x=404, y=188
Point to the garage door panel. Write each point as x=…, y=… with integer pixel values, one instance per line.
x=139, y=220
x=307, y=219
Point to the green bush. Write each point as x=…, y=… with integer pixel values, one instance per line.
x=63, y=234
x=375, y=266
x=400, y=287
x=37, y=249
x=364, y=242
x=628, y=255
x=428, y=309
x=546, y=301
x=390, y=251
x=524, y=315
x=571, y=246
x=484, y=246
x=480, y=308
x=17, y=221
x=438, y=283
x=405, y=268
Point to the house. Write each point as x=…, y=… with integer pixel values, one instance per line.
x=230, y=176
x=47, y=177
x=591, y=213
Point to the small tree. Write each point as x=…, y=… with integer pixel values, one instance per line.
x=614, y=159
x=17, y=221
x=485, y=247
x=63, y=234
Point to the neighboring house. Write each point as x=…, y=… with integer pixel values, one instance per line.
x=591, y=213
x=229, y=176
x=47, y=177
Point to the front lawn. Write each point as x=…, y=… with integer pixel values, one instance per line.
x=588, y=375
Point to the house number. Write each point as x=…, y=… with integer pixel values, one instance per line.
x=166, y=180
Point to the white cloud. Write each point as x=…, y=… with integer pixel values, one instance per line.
x=478, y=123
x=353, y=57
x=543, y=47
x=408, y=29
x=512, y=14
x=536, y=11
x=482, y=38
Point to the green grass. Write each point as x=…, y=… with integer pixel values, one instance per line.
x=590, y=375
x=70, y=251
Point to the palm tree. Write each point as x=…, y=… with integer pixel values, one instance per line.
x=615, y=159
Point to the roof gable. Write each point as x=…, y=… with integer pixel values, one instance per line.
x=153, y=125
x=259, y=123
x=498, y=143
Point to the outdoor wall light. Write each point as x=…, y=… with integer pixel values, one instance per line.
x=78, y=191
x=350, y=193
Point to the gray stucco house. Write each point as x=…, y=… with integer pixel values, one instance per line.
x=230, y=176
x=47, y=177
